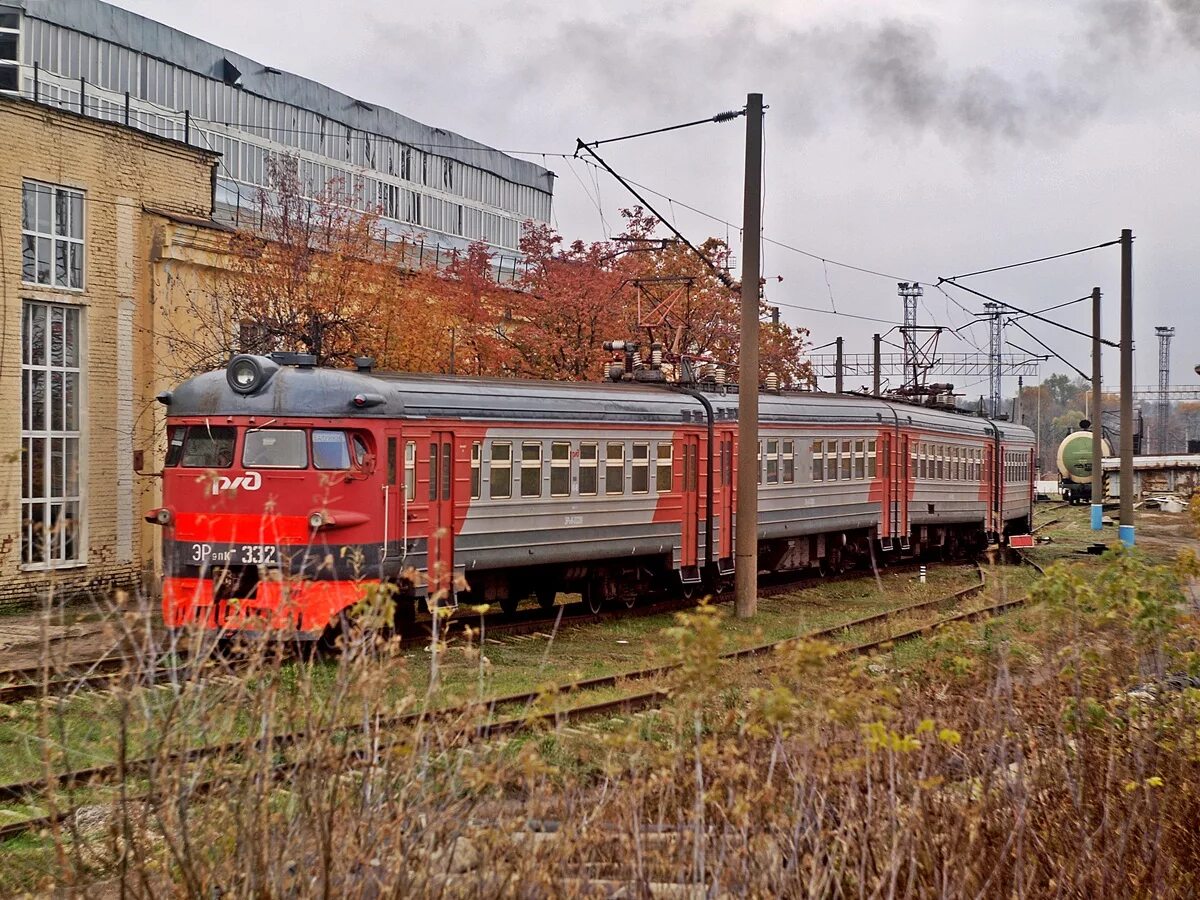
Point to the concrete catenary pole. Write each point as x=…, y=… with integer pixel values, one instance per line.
x=878, y=342
x=1097, y=420
x=746, y=533
x=1126, y=529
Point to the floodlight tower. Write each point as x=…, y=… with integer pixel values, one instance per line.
x=995, y=356
x=1165, y=333
x=910, y=293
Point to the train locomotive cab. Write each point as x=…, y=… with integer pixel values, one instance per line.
x=268, y=520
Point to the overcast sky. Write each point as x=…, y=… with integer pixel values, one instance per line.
x=919, y=139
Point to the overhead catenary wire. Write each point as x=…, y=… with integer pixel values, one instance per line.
x=1027, y=313
x=727, y=116
x=1050, y=350
x=1030, y=262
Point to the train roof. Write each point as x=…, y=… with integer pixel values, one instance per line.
x=291, y=390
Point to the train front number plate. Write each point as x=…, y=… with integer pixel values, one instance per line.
x=234, y=554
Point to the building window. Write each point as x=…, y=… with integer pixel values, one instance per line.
x=640, y=468
x=51, y=236
x=51, y=372
x=501, y=471
x=531, y=469
x=818, y=467
x=788, y=462
x=666, y=471
x=614, y=469
x=589, y=469
x=10, y=56
x=476, y=461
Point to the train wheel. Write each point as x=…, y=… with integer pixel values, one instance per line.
x=593, y=596
x=546, y=595
x=629, y=600
x=689, y=590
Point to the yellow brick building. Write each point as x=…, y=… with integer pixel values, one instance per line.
x=102, y=229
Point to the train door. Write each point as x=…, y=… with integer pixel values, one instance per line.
x=989, y=483
x=905, y=479
x=441, y=515
x=725, y=551
x=689, y=556
x=395, y=500
x=885, y=499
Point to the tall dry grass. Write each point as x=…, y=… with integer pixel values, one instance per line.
x=1055, y=753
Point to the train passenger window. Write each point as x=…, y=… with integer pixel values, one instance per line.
x=831, y=460
x=860, y=459
x=614, y=469
x=410, y=471
x=773, y=461
x=175, y=444
x=666, y=472
x=759, y=457
x=923, y=462
x=847, y=461
x=392, y=461
x=501, y=471
x=434, y=476
x=329, y=449
x=818, y=467
x=788, y=462
x=209, y=447
x=476, y=464
x=531, y=469
x=560, y=469
x=275, y=448
x=589, y=478
x=640, y=468
x=871, y=459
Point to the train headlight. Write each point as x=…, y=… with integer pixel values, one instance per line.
x=244, y=374
x=163, y=516
x=316, y=520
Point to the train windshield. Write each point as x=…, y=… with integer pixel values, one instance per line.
x=201, y=446
x=275, y=448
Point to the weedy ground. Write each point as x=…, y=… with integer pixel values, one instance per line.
x=1054, y=751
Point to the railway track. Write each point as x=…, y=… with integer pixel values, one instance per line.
x=490, y=727
x=113, y=669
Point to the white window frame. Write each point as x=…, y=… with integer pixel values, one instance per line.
x=872, y=458
x=506, y=465
x=557, y=464
x=818, y=458
x=592, y=463
x=535, y=465
x=410, y=471
x=48, y=434
x=664, y=464
x=639, y=462
x=611, y=463
x=787, y=461
x=53, y=237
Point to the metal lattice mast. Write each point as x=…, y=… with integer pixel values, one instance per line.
x=1165, y=333
x=995, y=356
x=909, y=294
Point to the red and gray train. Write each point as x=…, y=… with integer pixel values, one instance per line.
x=287, y=488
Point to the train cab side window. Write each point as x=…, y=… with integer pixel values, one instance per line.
x=276, y=448
x=871, y=458
x=476, y=469
x=175, y=444
x=208, y=447
x=589, y=477
x=788, y=462
x=847, y=461
x=614, y=469
x=392, y=461
x=560, y=469
x=666, y=471
x=501, y=471
x=640, y=468
x=410, y=471
x=329, y=450
x=531, y=469
x=818, y=466
x=860, y=459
